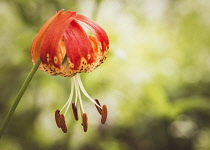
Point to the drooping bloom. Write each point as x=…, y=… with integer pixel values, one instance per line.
x=65, y=49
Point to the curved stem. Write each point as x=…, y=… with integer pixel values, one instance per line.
x=19, y=96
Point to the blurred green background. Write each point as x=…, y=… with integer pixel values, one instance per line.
x=155, y=81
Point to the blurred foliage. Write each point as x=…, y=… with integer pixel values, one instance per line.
x=155, y=82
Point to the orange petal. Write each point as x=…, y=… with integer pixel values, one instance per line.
x=35, y=48
x=78, y=47
x=97, y=30
x=54, y=34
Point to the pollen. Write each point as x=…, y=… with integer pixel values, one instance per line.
x=57, y=118
x=98, y=108
x=85, y=122
x=104, y=113
x=63, y=123
x=74, y=108
x=60, y=121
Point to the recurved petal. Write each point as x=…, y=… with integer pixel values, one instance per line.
x=97, y=30
x=78, y=47
x=52, y=37
x=35, y=48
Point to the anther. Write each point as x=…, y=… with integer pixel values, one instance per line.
x=85, y=122
x=98, y=108
x=63, y=123
x=57, y=118
x=74, y=108
x=104, y=113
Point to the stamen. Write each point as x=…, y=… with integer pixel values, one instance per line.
x=70, y=97
x=98, y=108
x=104, y=114
x=85, y=122
x=74, y=108
x=63, y=123
x=84, y=91
x=57, y=118
x=76, y=94
x=79, y=95
x=76, y=88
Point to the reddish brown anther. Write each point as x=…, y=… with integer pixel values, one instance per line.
x=74, y=108
x=98, y=108
x=57, y=118
x=63, y=123
x=85, y=122
x=104, y=114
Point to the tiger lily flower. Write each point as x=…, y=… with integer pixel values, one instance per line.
x=65, y=49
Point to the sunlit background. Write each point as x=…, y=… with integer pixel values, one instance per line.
x=155, y=81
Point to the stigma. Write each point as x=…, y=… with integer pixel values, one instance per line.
x=75, y=102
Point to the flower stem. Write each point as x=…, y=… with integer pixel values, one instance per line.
x=19, y=96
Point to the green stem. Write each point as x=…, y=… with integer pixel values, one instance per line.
x=19, y=96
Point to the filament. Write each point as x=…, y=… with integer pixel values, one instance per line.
x=84, y=91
